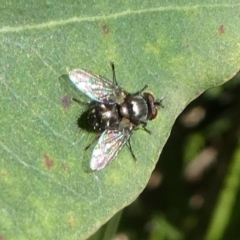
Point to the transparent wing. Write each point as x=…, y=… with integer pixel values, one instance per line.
x=96, y=87
x=108, y=146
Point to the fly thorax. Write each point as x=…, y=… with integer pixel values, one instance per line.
x=124, y=111
x=135, y=108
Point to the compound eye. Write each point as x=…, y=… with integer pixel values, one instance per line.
x=154, y=113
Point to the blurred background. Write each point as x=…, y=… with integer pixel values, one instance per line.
x=194, y=190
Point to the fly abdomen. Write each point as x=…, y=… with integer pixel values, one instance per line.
x=102, y=116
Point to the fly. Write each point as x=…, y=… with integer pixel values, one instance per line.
x=115, y=112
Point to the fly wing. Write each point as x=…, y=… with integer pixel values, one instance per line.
x=96, y=87
x=108, y=146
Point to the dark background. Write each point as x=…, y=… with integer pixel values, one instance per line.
x=190, y=177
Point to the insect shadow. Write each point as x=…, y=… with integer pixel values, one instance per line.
x=83, y=122
x=67, y=100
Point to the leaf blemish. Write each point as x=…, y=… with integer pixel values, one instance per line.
x=221, y=30
x=48, y=161
x=66, y=101
x=64, y=166
x=105, y=30
x=187, y=43
x=71, y=220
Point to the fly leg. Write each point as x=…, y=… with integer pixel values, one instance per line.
x=114, y=73
x=131, y=151
x=88, y=146
x=138, y=92
x=80, y=102
x=144, y=124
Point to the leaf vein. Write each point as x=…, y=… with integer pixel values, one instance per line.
x=51, y=24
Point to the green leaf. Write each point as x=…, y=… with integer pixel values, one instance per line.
x=179, y=49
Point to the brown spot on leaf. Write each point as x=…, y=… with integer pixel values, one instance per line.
x=66, y=101
x=187, y=43
x=48, y=161
x=64, y=166
x=1, y=237
x=105, y=30
x=221, y=30
x=71, y=220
